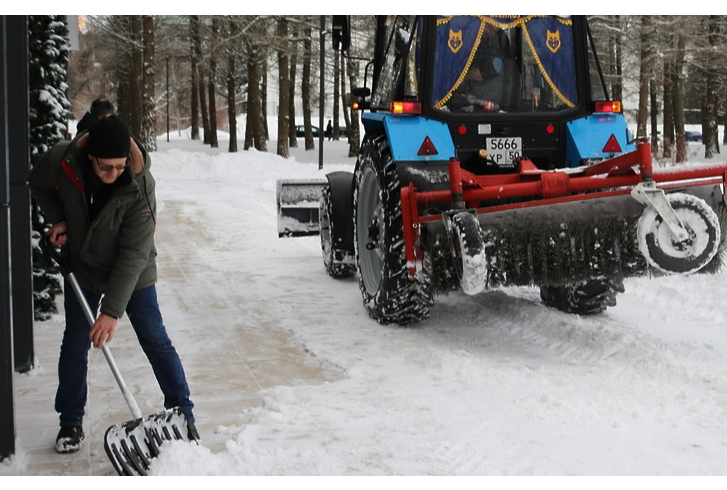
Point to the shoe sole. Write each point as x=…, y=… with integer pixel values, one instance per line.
x=63, y=446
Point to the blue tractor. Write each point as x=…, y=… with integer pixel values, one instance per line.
x=493, y=156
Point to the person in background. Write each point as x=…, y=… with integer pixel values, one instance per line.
x=98, y=192
x=99, y=108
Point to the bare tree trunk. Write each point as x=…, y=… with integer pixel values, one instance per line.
x=232, y=111
x=710, y=130
x=211, y=89
x=122, y=23
x=677, y=83
x=617, y=87
x=653, y=121
x=130, y=100
x=305, y=89
x=668, y=121
x=194, y=42
x=644, y=76
x=254, y=134
x=284, y=85
x=292, y=136
x=264, y=98
x=203, y=104
x=344, y=99
x=148, y=121
x=201, y=75
x=231, y=102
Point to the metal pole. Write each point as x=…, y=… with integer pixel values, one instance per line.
x=322, y=104
x=7, y=412
x=19, y=168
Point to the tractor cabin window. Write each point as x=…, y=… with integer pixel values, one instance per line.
x=504, y=64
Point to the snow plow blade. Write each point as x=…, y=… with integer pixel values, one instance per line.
x=577, y=240
x=131, y=446
x=552, y=228
x=298, y=202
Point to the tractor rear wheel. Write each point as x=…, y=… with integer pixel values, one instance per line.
x=389, y=294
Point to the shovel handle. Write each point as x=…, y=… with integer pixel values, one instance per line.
x=59, y=257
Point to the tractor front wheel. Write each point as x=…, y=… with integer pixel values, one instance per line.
x=338, y=264
x=468, y=251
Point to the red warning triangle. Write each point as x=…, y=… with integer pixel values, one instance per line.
x=612, y=146
x=427, y=148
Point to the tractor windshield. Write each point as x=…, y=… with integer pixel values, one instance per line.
x=504, y=63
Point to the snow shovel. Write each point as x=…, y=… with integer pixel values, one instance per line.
x=130, y=445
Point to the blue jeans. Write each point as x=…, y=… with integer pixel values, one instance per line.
x=145, y=317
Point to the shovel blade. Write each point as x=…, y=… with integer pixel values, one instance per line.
x=131, y=446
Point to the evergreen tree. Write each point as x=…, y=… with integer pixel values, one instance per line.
x=48, y=49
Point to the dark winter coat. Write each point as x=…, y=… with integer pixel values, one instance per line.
x=114, y=254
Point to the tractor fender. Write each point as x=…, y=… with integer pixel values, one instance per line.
x=596, y=137
x=341, y=185
x=412, y=138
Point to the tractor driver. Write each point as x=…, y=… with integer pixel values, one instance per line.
x=492, y=79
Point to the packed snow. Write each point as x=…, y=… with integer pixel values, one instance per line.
x=496, y=384
x=492, y=384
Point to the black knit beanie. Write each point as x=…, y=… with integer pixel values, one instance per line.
x=109, y=138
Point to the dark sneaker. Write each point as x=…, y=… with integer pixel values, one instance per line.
x=69, y=439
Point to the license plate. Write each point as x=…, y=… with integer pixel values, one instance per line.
x=504, y=151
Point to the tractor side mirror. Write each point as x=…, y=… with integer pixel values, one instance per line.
x=360, y=91
x=360, y=94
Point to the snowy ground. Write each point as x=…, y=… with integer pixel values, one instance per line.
x=495, y=384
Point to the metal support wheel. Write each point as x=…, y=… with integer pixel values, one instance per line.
x=665, y=251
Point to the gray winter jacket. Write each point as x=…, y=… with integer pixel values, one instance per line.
x=115, y=254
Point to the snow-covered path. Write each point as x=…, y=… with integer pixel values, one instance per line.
x=491, y=384
x=291, y=377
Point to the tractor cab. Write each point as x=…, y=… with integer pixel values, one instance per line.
x=505, y=86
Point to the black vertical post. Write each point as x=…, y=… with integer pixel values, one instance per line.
x=7, y=413
x=20, y=219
